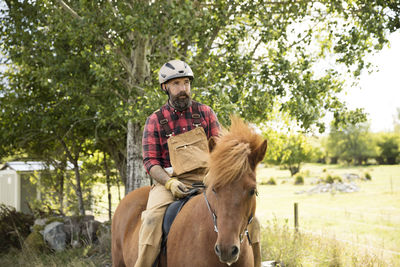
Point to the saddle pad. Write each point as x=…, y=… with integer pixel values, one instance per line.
x=170, y=214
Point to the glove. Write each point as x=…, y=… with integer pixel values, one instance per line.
x=178, y=189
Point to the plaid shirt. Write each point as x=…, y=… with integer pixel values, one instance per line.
x=155, y=147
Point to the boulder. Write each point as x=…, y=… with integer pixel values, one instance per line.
x=55, y=236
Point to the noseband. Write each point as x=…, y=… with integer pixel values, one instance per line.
x=214, y=217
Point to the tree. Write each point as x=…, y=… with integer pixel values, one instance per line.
x=247, y=56
x=388, y=146
x=353, y=143
x=289, y=151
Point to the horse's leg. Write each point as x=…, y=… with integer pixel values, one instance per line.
x=254, y=233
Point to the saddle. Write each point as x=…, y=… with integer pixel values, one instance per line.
x=170, y=215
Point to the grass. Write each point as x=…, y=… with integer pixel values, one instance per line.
x=290, y=248
x=98, y=255
x=368, y=220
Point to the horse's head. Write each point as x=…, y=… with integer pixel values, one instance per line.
x=231, y=185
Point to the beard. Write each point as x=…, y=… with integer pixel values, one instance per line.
x=181, y=101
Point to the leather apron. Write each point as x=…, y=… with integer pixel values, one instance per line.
x=188, y=151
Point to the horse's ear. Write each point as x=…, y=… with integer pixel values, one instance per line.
x=258, y=154
x=211, y=143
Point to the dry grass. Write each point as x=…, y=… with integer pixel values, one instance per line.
x=367, y=221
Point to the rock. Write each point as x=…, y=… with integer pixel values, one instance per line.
x=335, y=187
x=55, y=236
x=80, y=228
x=351, y=176
x=272, y=264
x=89, y=230
x=41, y=221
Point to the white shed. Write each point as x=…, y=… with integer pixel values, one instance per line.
x=16, y=190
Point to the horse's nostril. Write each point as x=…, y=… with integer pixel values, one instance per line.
x=235, y=251
x=217, y=250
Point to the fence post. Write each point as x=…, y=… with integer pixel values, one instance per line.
x=296, y=217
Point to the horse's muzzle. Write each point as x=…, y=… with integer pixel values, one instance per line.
x=227, y=255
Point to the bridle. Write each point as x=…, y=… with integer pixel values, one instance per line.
x=214, y=217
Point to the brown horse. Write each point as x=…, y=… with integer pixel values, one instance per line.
x=210, y=228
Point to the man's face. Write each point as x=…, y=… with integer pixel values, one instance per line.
x=179, y=93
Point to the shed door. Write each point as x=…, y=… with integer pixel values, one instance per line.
x=9, y=188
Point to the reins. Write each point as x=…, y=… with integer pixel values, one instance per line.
x=212, y=213
x=214, y=217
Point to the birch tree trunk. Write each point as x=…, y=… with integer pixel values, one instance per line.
x=139, y=70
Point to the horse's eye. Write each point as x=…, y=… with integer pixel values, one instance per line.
x=253, y=192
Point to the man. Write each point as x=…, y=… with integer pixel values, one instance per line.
x=174, y=136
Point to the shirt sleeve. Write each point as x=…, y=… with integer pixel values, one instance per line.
x=151, y=147
x=214, y=127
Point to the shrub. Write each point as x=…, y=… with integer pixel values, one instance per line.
x=299, y=180
x=368, y=176
x=337, y=179
x=271, y=181
x=14, y=227
x=35, y=242
x=331, y=179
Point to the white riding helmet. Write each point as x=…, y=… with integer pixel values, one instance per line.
x=174, y=69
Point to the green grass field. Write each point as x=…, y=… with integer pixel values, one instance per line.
x=368, y=220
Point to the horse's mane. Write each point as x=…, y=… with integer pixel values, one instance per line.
x=229, y=159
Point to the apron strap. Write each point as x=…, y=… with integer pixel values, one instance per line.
x=196, y=114
x=164, y=123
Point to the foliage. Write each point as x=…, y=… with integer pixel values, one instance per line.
x=388, y=149
x=83, y=73
x=330, y=179
x=368, y=176
x=14, y=227
x=35, y=242
x=299, y=180
x=289, y=151
x=352, y=144
x=271, y=181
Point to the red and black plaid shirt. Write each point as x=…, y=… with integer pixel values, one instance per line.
x=155, y=147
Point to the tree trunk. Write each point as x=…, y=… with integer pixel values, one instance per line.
x=139, y=71
x=294, y=169
x=135, y=171
x=78, y=188
x=117, y=153
x=108, y=182
x=61, y=191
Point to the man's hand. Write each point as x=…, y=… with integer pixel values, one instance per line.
x=178, y=189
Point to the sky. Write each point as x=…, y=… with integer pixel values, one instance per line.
x=379, y=92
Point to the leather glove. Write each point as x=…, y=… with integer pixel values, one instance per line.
x=178, y=189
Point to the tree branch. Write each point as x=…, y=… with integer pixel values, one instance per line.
x=69, y=10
